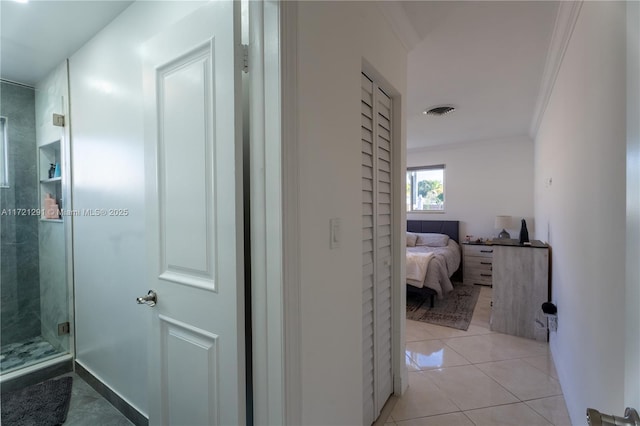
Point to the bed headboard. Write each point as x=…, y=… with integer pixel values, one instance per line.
x=447, y=227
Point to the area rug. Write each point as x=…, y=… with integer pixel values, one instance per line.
x=454, y=311
x=43, y=404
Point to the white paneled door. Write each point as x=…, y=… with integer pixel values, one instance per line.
x=193, y=171
x=376, y=249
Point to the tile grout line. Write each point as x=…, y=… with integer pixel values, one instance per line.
x=507, y=390
x=454, y=403
x=516, y=396
x=524, y=359
x=442, y=391
x=464, y=357
x=539, y=413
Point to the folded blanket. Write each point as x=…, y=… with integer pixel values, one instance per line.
x=417, y=264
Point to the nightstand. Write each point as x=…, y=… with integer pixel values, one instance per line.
x=477, y=264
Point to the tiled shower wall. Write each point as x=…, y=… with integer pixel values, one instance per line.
x=19, y=257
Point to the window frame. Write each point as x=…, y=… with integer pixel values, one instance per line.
x=442, y=167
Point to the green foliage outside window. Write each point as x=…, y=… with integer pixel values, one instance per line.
x=425, y=189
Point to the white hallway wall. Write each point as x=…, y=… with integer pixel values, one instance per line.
x=581, y=145
x=483, y=179
x=108, y=172
x=632, y=296
x=333, y=40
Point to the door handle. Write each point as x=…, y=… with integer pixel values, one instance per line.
x=596, y=418
x=150, y=299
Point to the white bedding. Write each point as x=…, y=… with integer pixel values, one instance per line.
x=442, y=263
x=417, y=264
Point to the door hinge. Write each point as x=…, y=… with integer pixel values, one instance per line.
x=64, y=328
x=245, y=57
x=58, y=120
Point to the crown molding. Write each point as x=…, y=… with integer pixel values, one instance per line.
x=566, y=18
x=397, y=18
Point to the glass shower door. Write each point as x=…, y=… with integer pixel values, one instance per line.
x=34, y=273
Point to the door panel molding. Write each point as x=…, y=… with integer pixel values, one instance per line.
x=203, y=346
x=187, y=201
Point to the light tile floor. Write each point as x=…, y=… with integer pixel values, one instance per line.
x=477, y=377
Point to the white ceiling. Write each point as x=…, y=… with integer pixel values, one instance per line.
x=37, y=36
x=485, y=58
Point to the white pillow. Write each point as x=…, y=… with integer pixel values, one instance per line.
x=411, y=239
x=432, y=240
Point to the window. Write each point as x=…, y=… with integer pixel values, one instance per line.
x=425, y=189
x=4, y=160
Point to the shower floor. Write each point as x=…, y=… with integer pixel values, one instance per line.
x=28, y=352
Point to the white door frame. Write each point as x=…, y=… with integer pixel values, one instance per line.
x=275, y=286
x=290, y=214
x=275, y=226
x=266, y=214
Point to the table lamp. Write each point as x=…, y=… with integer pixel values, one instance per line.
x=503, y=222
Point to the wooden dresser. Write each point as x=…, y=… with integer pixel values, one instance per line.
x=520, y=287
x=519, y=276
x=477, y=264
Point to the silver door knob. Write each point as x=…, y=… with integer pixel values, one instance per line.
x=596, y=418
x=150, y=299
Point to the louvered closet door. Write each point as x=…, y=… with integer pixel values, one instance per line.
x=368, y=254
x=376, y=249
x=384, y=383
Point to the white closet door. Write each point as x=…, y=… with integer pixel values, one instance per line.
x=368, y=255
x=376, y=249
x=384, y=383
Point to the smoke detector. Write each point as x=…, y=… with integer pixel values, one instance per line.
x=439, y=110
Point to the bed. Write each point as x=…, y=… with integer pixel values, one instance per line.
x=433, y=256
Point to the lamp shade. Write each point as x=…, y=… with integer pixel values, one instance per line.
x=503, y=222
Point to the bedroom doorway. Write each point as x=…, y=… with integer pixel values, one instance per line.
x=377, y=265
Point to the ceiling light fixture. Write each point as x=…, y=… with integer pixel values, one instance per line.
x=439, y=110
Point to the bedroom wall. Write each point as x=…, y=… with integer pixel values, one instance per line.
x=108, y=172
x=581, y=145
x=483, y=179
x=334, y=39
